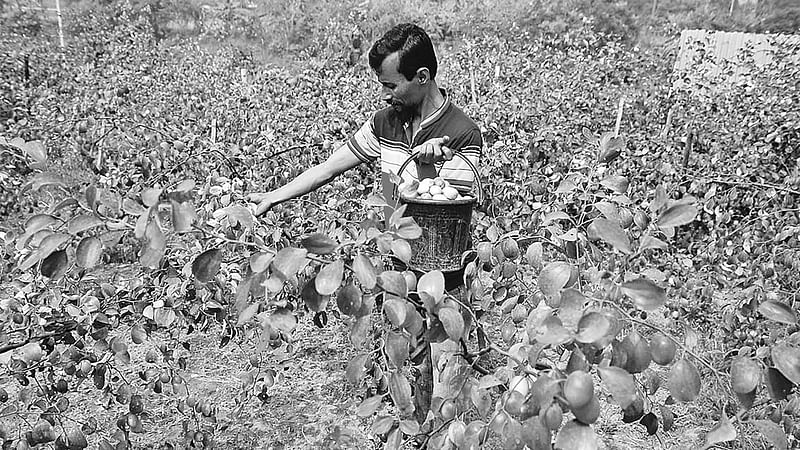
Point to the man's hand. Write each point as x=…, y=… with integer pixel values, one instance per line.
x=434, y=150
x=263, y=200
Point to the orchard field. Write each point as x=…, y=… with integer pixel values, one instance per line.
x=636, y=252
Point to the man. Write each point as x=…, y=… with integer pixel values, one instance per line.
x=419, y=118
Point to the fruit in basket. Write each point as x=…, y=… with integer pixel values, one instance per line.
x=430, y=189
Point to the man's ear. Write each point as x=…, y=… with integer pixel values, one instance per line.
x=423, y=75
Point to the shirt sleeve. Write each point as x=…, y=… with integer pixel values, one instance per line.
x=456, y=171
x=364, y=143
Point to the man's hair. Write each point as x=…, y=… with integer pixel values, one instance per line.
x=414, y=47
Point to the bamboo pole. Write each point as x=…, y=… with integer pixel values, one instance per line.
x=619, y=116
x=60, y=24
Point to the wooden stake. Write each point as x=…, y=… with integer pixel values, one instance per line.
x=619, y=116
x=472, y=86
x=60, y=24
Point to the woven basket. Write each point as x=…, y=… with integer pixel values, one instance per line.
x=445, y=227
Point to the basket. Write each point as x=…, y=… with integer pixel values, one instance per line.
x=445, y=227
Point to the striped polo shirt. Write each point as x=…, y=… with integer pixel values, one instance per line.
x=385, y=136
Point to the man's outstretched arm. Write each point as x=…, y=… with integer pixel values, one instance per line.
x=340, y=161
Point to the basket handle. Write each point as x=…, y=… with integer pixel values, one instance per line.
x=460, y=155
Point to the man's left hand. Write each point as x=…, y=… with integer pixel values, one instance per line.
x=434, y=150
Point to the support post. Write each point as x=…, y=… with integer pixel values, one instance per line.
x=60, y=24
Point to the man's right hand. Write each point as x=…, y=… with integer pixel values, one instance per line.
x=434, y=150
x=263, y=200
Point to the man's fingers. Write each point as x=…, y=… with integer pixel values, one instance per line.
x=254, y=197
x=447, y=153
x=440, y=141
x=261, y=208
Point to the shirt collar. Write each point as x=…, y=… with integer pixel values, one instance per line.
x=439, y=112
x=436, y=114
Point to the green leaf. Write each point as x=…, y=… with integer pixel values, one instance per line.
x=432, y=283
x=34, y=224
x=534, y=255
x=723, y=431
x=649, y=242
x=382, y=425
x=120, y=350
x=645, y=294
x=553, y=278
x=314, y=300
x=616, y=183
x=151, y=253
x=48, y=245
x=36, y=150
x=329, y=278
x=592, y=327
x=745, y=375
x=319, y=244
x=132, y=207
x=288, y=261
x=407, y=228
x=356, y=368
x=395, y=309
x=402, y=250
x=677, y=215
x=620, y=384
x=55, y=265
x=183, y=216
x=369, y=406
x=684, y=381
x=566, y=186
x=236, y=215
x=778, y=386
x=393, y=282
x=91, y=197
x=206, y=266
x=185, y=186
x=400, y=391
x=150, y=197
x=777, y=311
x=365, y=271
x=83, y=223
x=611, y=233
x=659, y=200
x=376, y=200
x=409, y=427
x=576, y=436
x=551, y=332
x=247, y=314
x=453, y=323
x=787, y=361
x=283, y=320
x=359, y=331
x=42, y=180
x=396, y=348
x=259, y=262
x=138, y=334
x=164, y=317
x=773, y=433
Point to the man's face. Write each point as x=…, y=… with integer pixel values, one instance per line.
x=405, y=96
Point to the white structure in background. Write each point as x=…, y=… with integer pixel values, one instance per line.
x=718, y=50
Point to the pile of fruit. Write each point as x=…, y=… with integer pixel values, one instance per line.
x=430, y=189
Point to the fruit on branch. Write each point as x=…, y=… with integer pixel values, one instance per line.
x=662, y=349
x=578, y=389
